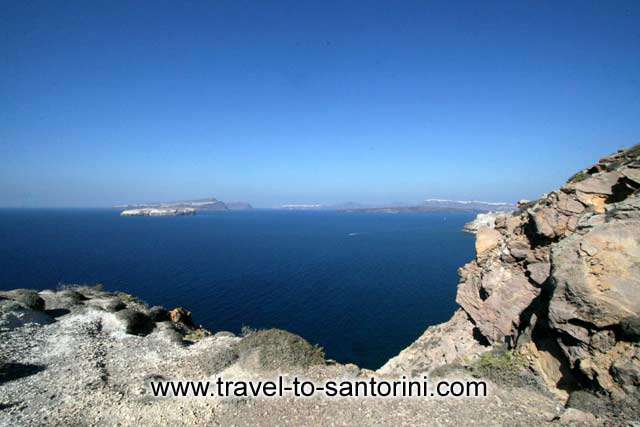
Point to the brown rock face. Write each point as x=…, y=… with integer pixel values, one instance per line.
x=519, y=248
x=551, y=222
x=601, y=183
x=558, y=280
x=568, y=267
x=486, y=239
x=597, y=276
x=495, y=298
x=449, y=342
x=597, y=287
x=181, y=316
x=539, y=271
x=632, y=173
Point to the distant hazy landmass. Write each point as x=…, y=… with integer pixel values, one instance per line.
x=302, y=206
x=239, y=206
x=429, y=205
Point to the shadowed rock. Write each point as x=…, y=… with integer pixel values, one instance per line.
x=14, y=314
x=158, y=314
x=630, y=328
x=26, y=297
x=136, y=322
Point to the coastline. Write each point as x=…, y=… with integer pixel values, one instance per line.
x=516, y=311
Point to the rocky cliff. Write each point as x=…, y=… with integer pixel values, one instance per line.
x=557, y=282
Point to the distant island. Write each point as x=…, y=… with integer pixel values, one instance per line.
x=440, y=205
x=429, y=205
x=158, y=212
x=185, y=207
x=302, y=206
x=239, y=206
x=192, y=207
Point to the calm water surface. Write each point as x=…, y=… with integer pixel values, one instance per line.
x=363, y=286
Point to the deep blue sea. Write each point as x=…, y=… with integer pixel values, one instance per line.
x=361, y=285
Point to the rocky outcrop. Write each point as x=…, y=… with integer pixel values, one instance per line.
x=597, y=291
x=92, y=362
x=448, y=343
x=26, y=297
x=557, y=280
x=570, y=262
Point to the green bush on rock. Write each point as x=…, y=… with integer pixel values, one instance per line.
x=136, y=322
x=278, y=349
x=505, y=367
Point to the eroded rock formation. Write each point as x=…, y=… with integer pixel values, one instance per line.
x=557, y=280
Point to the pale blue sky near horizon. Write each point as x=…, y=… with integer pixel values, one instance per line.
x=104, y=103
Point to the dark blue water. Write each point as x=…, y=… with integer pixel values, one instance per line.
x=363, y=286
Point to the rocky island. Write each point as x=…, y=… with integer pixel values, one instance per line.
x=186, y=207
x=549, y=315
x=158, y=212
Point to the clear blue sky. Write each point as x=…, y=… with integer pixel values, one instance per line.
x=105, y=102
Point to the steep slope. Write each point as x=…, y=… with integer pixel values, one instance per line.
x=558, y=281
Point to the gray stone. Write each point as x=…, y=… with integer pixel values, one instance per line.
x=626, y=373
x=26, y=297
x=603, y=340
x=596, y=278
x=630, y=328
x=495, y=299
x=574, y=416
x=601, y=183
x=519, y=248
x=631, y=173
x=569, y=204
x=539, y=272
x=601, y=289
x=551, y=223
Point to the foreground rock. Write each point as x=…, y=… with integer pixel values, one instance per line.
x=92, y=364
x=452, y=342
x=558, y=282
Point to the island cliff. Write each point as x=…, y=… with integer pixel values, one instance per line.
x=549, y=315
x=186, y=207
x=158, y=212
